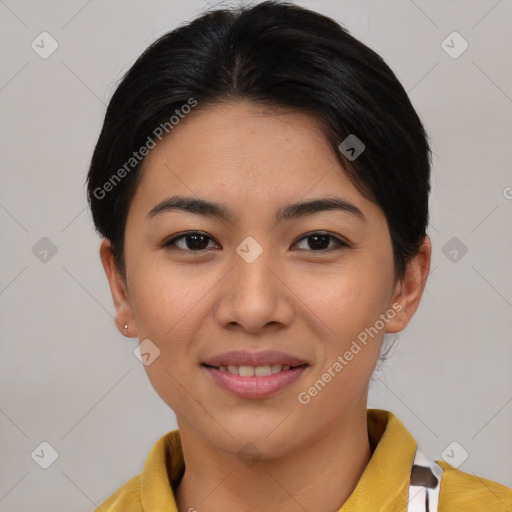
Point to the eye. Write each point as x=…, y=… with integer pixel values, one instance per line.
x=190, y=241
x=319, y=242
x=195, y=241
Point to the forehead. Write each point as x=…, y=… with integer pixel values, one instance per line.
x=244, y=135
x=245, y=153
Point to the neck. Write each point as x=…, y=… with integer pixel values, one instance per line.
x=320, y=476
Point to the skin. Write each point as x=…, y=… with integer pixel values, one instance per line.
x=293, y=298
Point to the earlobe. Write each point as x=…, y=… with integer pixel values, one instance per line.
x=409, y=289
x=123, y=309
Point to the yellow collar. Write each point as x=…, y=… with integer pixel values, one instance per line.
x=383, y=486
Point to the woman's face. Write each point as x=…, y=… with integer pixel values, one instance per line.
x=256, y=280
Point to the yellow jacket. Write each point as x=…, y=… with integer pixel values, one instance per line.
x=383, y=486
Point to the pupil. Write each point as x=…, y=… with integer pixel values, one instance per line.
x=196, y=244
x=323, y=244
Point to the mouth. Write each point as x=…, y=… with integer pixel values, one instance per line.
x=252, y=371
x=264, y=361
x=254, y=374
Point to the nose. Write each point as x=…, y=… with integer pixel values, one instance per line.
x=254, y=296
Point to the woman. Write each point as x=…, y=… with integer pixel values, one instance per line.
x=261, y=185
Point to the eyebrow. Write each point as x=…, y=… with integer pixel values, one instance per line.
x=287, y=212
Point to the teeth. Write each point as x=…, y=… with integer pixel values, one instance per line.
x=261, y=371
x=233, y=369
x=250, y=371
x=246, y=371
x=275, y=368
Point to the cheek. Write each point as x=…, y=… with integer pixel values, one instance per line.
x=165, y=306
x=350, y=307
x=347, y=304
x=343, y=300
x=166, y=302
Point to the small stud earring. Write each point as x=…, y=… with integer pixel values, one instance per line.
x=125, y=329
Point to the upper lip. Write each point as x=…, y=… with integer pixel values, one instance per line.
x=244, y=358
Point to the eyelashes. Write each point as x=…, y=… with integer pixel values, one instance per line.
x=195, y=236
x=197, y=242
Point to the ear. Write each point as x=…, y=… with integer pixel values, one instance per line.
x=409, y=290
x=124, y=313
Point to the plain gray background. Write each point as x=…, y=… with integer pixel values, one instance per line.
x=69, y=378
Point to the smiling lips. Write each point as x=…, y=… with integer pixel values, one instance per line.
x=260, y=364
x=254, y=374
x=244, y=358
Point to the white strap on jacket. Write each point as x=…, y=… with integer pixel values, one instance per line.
x=425, y=484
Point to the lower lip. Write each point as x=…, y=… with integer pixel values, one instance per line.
x=254, y=387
